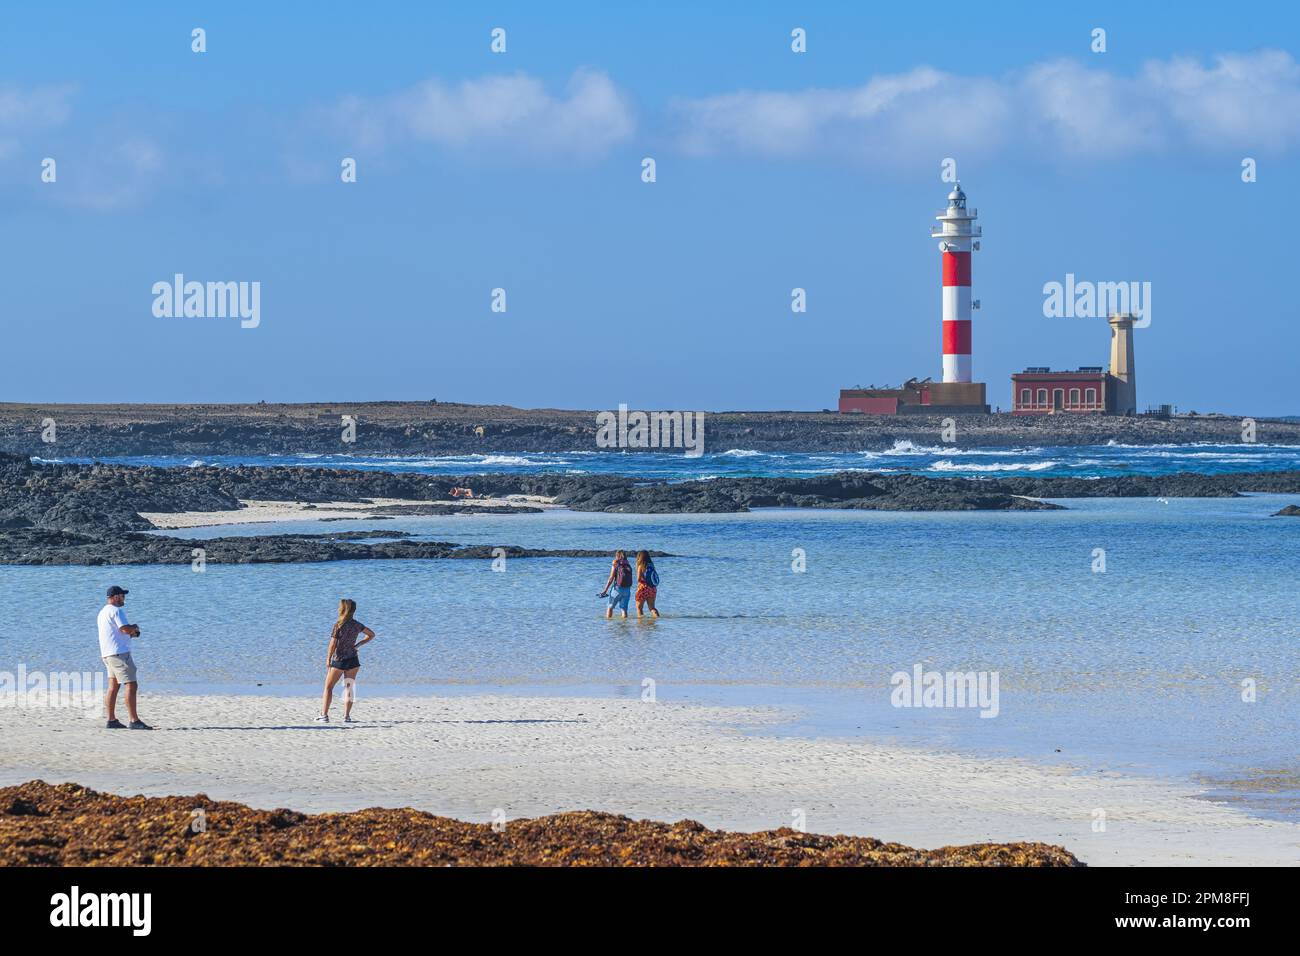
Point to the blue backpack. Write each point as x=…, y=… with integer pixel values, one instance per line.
x=651, y=576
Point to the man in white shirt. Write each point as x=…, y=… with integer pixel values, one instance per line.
x=115, y=648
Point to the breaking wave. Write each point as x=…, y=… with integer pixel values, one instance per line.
x=1002, y=466
x=905, y=446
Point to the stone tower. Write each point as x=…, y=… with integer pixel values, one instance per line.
x=1123, y=376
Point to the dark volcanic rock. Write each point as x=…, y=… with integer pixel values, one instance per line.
x=444, y=509
x=99, y=499
x=1290, y=511
x=90, y=514
x=849, y=489
x=443, y=428
x=38, y=546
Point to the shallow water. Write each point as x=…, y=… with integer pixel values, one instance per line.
x=1138, y=668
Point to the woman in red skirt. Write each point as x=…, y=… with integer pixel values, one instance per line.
x=647, y=583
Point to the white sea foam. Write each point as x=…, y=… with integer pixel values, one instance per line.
x=1253, y=446
x=905, y=446
x=1009, y=466
x=1225, y=456
x=462, y=461
x=511, y=460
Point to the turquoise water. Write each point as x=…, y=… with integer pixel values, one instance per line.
x=1136, y=669
x=902, y=456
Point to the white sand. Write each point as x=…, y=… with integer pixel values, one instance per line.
x=261, y=511
x=466, y=756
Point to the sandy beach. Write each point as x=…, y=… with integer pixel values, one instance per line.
x=466, y=757
x=262, y=512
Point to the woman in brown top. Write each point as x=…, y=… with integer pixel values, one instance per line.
x=341, y=660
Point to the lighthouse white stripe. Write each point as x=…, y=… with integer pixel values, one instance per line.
x=956, y=368
x=956, y=302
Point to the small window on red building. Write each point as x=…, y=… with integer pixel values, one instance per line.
x=1091, y=395
x=1042, y=396
x=1024, y=397
x=1074, y=397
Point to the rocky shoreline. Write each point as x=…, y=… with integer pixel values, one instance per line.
x=70, y=825
x=38, y=546
x=91, y=514
x=442, y=428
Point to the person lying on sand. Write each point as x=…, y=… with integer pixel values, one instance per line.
x=341, y=660
x=647, y=583
x=620, y=579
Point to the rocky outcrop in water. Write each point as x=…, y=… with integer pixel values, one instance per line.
x=1290, y=511
x=90, y=514
x=856, y=490
x=41, y=546
x=108, y=499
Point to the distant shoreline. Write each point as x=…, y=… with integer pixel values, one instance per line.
x=442, y=428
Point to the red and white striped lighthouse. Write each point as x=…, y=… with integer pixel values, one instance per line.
x=957, y=235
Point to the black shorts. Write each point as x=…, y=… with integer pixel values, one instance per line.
x=346, y=663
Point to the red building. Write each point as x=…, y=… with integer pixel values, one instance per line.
x=1040, y=391
x=917, y=398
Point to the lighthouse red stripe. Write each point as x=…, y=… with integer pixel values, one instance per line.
x=956, y=268
x=956, y=337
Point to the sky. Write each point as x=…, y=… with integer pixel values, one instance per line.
x=523, y=171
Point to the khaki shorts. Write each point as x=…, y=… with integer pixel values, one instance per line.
x=121, y=667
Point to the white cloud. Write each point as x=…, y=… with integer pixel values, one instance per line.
x=37, y=108
x=1057, y=108
x=24, y=112
x=103, y=166
x=1242, y=98
x=514, y=114
x=117, y=170
x=913, y=112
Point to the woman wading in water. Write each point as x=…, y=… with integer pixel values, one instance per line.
x=341, y=660
x=647, y=584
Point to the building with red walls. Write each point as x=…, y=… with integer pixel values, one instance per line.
x=1090, y=389
x=917, y=398
x=1040, y=391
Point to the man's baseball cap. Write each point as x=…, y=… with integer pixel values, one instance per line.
x=114, y=591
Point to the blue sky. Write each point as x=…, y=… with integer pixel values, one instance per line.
x=522, y=171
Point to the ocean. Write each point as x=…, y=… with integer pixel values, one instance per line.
x=903, y=457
